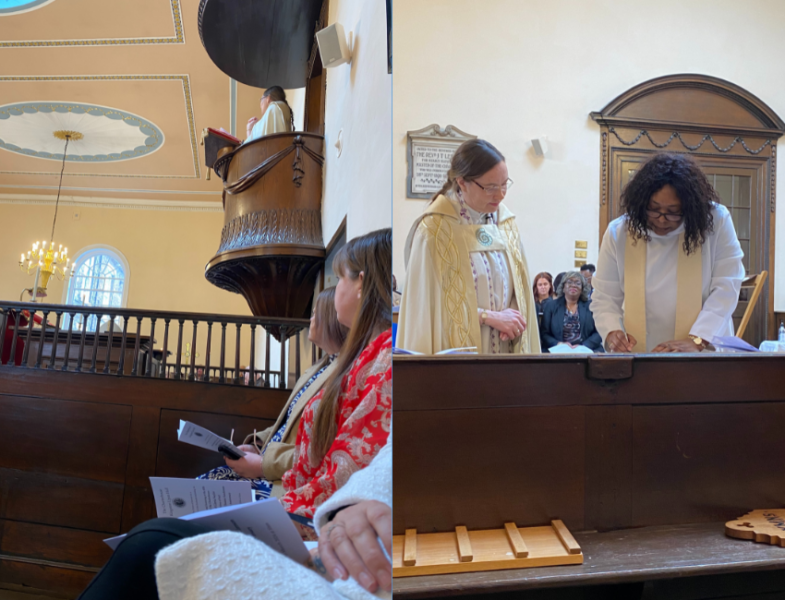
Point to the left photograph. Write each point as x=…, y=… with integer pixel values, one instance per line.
x=195, y=299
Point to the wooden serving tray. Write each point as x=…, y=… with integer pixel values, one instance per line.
x=764, y=526
x=464, y=551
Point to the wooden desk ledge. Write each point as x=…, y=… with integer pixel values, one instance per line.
x=623, y=556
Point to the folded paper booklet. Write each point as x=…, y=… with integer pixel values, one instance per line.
x=265, y=520
x=176, y=497
x=204, y=438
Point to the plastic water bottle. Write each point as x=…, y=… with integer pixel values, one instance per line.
x=781, y=334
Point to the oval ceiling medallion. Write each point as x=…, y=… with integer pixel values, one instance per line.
x=10, y=7
x=96, y=133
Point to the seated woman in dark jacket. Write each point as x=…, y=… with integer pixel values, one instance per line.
x=567, y=319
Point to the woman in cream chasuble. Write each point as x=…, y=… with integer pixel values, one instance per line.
x=467, y=283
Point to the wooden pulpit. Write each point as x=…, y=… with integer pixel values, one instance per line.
x=271, y=249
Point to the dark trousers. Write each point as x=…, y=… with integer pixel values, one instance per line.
x=130, y=573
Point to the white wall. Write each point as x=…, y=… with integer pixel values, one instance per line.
x=510, y=70
x=357, y=184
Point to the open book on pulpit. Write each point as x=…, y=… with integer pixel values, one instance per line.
x=215, y=140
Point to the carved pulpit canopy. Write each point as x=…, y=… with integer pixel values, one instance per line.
x=260, y=43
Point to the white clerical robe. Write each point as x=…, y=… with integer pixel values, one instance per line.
x=276, y=119
x=722, y=274
x=458, y=261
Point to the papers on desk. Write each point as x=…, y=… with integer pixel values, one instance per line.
x=204, y=438
x=466, y=350
x=565, y=349
x=729, y=343
x=772, y=346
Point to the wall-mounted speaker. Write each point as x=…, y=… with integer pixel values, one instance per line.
x=332, y=46
x=540, y=145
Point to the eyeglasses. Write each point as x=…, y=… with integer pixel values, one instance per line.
x=672, y=217
x=573, y=282
x=492, y=190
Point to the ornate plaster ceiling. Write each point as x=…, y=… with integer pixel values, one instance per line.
x=94, y=133
x=17, y=6
x=142, y=58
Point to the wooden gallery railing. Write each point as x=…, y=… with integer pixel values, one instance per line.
x=60, y=337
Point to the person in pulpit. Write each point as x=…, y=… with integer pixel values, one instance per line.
x=670, y=268
x=270, y=453
x=467, y=282
x=277, y=115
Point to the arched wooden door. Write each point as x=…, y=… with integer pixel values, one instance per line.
x=731, y=133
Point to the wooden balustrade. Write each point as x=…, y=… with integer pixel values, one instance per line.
x=122, y=342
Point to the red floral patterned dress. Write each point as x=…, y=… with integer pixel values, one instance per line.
x=363, y=428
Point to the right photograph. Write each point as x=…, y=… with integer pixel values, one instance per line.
x=588, y=325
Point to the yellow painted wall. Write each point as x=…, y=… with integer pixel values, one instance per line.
x=166, y=251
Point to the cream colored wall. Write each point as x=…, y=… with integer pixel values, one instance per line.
x=166, y=251
x=357, y=184
x=511, y=70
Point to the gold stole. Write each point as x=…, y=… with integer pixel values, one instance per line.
x=689, y=292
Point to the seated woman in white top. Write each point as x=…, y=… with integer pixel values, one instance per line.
x=277, y=116
x=670, y=268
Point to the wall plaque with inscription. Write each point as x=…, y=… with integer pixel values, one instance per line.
x=428, y=153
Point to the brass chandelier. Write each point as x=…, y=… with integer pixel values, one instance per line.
x=43, y=259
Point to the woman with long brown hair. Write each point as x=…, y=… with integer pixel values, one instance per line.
x=270, y=453
x=467, y=282
x=346, y=425
x=342, y=430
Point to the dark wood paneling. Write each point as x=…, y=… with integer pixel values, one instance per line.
x=38, y=497
x=59, y=544
x=44, y=579
x=138, y=499
x=109, y=389
x=706, y=463
x=437, y=383
x=482, y=440
x=176, y=459
x=608, y=466
x=76, y=454
x=58, y=437
x=480, y=468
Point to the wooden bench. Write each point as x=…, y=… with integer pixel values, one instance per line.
x=605, y=443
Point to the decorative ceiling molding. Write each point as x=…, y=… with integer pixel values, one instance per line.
x=178, y=38
x=14, y=186
x=20, y=7
x=186, y=83
x=99, y=133
x=129, y=204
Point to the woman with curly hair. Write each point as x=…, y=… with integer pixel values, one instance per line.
x=670, y=267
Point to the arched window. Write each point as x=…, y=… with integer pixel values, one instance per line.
x=100, y=279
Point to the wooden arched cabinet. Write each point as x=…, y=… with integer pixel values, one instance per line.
x=732, y=134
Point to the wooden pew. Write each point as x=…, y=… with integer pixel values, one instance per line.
x=605, y=443
x=76, y=452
